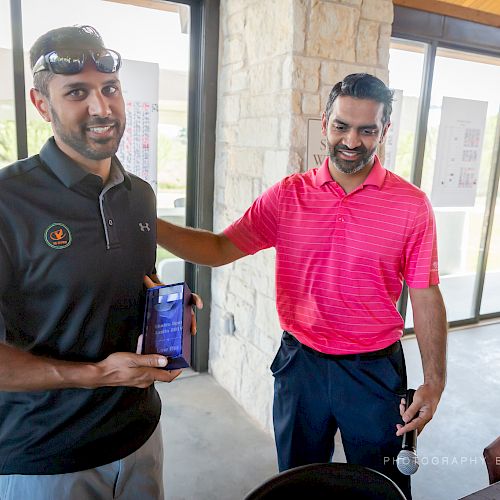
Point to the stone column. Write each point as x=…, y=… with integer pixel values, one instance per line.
x=277, y=63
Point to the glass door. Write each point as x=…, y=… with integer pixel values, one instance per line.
x=458, y=163
x=490, y=303
x=8, y=142
x=169, y=80
x=406, y=65
x=457, y=171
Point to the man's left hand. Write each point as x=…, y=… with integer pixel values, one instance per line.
x=425, y=401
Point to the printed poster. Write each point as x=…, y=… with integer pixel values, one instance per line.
x=458, y=156
x=138, y=149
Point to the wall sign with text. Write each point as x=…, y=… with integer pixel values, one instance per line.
x=138, y=150
x=458, y=156
x=316, y=144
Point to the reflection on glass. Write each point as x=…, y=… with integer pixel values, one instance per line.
x=491, y=292
x=457, y=74
x=8, y=142
x=156, y=34
x=405, y=74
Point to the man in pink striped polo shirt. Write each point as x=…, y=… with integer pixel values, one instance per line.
x=346, y=236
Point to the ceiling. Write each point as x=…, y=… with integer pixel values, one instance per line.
x=491, y=6
x=480, y=11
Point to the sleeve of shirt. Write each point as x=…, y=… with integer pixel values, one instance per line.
x=257, y=228
x=421, y=260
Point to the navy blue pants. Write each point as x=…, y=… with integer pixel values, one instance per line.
x=315, y=396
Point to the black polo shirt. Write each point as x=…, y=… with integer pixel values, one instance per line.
x=73, y=254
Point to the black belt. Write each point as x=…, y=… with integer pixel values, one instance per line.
x=382, y=353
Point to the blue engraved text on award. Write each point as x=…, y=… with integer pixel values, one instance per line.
x=167, y=324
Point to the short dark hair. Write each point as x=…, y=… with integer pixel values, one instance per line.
x=68, y=37
x=362, y=86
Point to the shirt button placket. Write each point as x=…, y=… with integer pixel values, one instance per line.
x=340, y=217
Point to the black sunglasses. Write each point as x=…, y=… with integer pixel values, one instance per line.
x=70, y=62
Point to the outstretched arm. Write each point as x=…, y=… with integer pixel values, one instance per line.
x=429, y=317
x=197, y=245
x=23, y=371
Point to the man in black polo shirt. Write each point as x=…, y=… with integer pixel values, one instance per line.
x=78, y=410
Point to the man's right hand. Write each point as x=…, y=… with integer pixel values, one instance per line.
x=132, y=370
x=22, y=371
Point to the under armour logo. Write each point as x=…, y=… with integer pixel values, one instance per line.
x=144, y=226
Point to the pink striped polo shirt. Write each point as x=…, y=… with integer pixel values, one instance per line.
x=341, y=258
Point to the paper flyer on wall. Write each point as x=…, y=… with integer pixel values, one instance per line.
x=138, y=149
x=458, y=155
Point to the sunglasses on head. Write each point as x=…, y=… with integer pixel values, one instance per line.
x=70, y=62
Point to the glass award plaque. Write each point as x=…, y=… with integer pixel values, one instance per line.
x=167, y=324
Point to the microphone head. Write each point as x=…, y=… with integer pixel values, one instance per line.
x=407, y=462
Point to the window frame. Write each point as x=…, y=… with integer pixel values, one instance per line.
x=202, y=107
x=439, y=31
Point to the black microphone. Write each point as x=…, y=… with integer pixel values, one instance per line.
x=407, y=460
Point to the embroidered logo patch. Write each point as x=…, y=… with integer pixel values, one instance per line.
x=58, y=236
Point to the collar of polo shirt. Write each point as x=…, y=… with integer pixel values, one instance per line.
x=66, y=170
x=375, y=177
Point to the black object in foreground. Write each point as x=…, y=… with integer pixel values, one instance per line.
x=407, y=461
x=167, y=324
x=328, y=481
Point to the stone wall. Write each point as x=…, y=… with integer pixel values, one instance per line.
x=278, y=60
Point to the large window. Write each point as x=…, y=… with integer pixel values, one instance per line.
x=169, y=51
x=447, y=145
x=406, y=64
x=491, y=292
x=460, y=225
x=8, y=143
